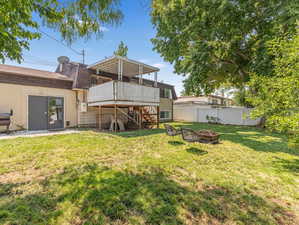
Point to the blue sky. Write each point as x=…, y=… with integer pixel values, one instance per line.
x=136, y=31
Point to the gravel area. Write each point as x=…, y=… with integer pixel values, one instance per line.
x=38, y=133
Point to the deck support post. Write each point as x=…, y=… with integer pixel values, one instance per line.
x=156, y=79
x=115, y=118
x=100, y=117
x=140, y=74
x=140, y=117
x=158, y=116
x=120, y=69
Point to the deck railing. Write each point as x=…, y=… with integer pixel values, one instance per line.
x=123, y=92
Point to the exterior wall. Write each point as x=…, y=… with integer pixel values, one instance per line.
x=233, y=115
x=166, y=104
x=108, y=115
x=187, y=112
x=208, y=100
x=91, y=118
x=15, y=97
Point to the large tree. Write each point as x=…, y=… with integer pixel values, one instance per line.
x=277, y=97
x=220, y=41
x=122, y=50
x=20, y=21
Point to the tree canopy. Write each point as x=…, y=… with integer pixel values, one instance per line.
x=213, y=42
x=20, y=21
x=277, y=97
x=240, y=97
x=122, y=50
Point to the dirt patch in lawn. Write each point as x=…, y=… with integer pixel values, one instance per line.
x=25, y=176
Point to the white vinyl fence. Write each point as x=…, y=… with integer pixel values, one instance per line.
x=232, y=116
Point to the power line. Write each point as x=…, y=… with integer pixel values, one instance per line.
x=82, y=53
x=39, y=60
x=37, y=63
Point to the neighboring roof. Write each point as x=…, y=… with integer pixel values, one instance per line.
x=197, y=100
x=22, y=71
x=191, y=98
x=130, y=67
x=216, y=96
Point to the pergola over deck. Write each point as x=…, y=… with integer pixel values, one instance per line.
x=123, y=66
x=119, y=94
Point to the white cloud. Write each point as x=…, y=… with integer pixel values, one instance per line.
x=159, y=65
x=104, y=29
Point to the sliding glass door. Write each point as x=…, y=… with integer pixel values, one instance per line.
x=55, y=113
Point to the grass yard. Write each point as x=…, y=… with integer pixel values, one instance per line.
x=146, y=177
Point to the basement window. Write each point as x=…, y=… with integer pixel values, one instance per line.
x=165, y=115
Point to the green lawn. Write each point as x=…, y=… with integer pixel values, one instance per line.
x=146, y=177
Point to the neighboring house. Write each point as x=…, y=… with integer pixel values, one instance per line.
x=108, y=94
x=211, y=100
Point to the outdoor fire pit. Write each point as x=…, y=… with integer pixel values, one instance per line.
x=202, y=136
x=208, y=136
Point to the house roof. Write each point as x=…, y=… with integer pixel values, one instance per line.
x=131, y=67
x=31, y=77
x=22, y=71
x=69, y=75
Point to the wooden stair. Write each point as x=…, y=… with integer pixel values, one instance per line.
x=149, y=117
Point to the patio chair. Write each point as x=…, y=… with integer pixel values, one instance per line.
x=171, y=131
x=202, y=136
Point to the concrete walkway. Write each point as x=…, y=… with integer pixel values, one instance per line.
x=40, y=133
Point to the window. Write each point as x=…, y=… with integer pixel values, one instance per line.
x=55, y=112
x=214, y=102
x=167, y=93
x=165, y=115
x=93, y=81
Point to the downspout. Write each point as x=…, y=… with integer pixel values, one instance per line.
x=78, y=108
x=77, y=95
x=172, y=110
x=114, y=90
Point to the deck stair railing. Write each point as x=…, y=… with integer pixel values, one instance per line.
x=134, y=118
x=149, y=117
x=149, y=114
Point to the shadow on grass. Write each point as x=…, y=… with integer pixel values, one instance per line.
x=6, y=189
x=37, y=208
x=255, y=138
x=139, y=133
x=252, y=137
x=285, y=165
x=100, y=195
x=176, y=143
x=196, y=151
